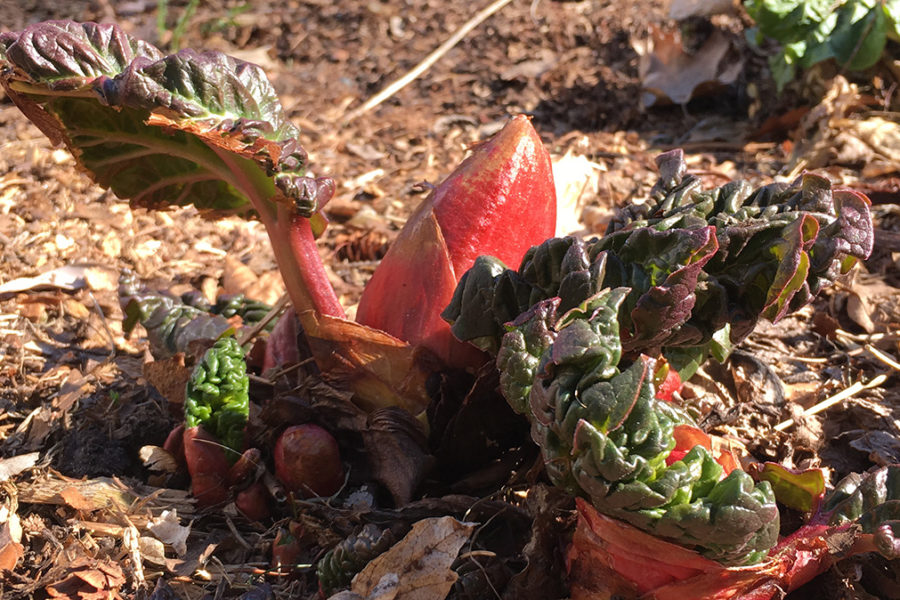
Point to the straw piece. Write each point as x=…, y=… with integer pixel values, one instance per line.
x=837, y=398
x=428, y=61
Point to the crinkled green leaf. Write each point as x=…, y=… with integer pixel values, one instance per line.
x=604, y=434
x=187, y=128
x=858, y=493
x=171, y=325
x=608, y=439
x=688, y=273
x=518, y=358
x=476, y=291
x=190, y=128
x=793, y=266
x=218, y=394
x=871, y=501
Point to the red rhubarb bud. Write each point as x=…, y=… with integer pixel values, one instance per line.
x=208, y=466
x=308, y=461
x=174, y=444
x=288, y=547
x=253, y=502
x=500, y=201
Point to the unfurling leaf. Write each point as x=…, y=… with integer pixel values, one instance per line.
x=798, y=490
x=507, y=180
x=217, y=395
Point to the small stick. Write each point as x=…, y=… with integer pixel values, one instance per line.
x=429, y=60
x=837, y=398
x=883, y=356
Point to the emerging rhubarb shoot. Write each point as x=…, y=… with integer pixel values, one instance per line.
x=499, y=201
x=188, y=128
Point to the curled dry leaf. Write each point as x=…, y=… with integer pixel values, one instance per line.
x=669, y=74
x=152, y=550
x=11, y=550
x=68, y=278
x=167, y=528
x=157, y=459
x=576, y=178
x=89, y=579
x=421, y=561
x=397, y=448
x=833, y=133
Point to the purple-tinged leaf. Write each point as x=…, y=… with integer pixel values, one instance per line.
x=793, y=266
x=188, y=128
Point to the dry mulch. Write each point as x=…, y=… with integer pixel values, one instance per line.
x=72, y=386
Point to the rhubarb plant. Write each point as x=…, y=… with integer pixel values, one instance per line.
x=610, y=558
x=589, y=337
x=584, y=332
x=206, y=129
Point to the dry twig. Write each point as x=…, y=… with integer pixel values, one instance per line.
x=429, y=60
x=837, y=398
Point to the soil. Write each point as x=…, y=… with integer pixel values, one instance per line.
x=73, y=386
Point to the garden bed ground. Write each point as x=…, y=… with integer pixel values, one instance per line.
x=73, y=389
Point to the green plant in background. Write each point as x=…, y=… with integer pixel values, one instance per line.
x=162, y=15
x=852, y=32
x=229, y=20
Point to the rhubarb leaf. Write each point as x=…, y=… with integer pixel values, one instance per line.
x=186, y=128
x=800, y=490
x=604, y=434
x=687, y=274
x=172, y=130
x=171, y=324
x=703, y=266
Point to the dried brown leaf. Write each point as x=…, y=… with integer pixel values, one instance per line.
x=158, y=459
x=67, y=278
x=12, y=466
x=89, y=579
x=10, y=548
x=268, y=288
x=421, y=561
x=169, y=376
x=670, y=74
x=882, y=447
x=237, y=277
x=152, y=550
x=169, y=530
x=396, y=447
x=858, y=309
